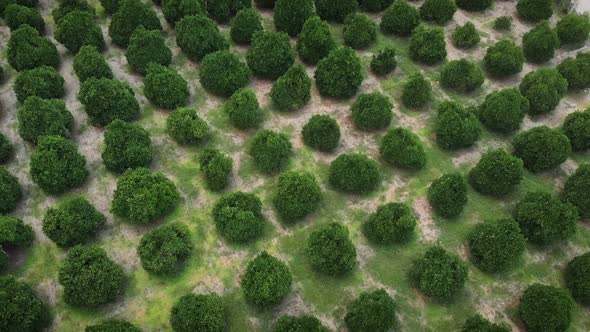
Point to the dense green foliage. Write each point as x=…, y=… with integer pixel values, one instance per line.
x=238, y=217
x=577, y=278
x=290, y=15
x=416, y=91
x=130, y=15
x=10, y=191
x=6, y=149
x=439, y=11
x=439, y=273
x=503, y=59
x=448, y=195
x=77, y=29
x=41, y=117
x=304, y=323
x=496, y=245
x=164, y=87
x=198, y=36
x=479, y=324
x=65, y=7
x=44, y=82
x=243, y=109
x=503, y=23
x=545, y=308
x=544, y=88
x=127, y=145
x=244, y=25
x=216, y=169
x=198, y=312
x=392, y=223
x=540, y=43
x=576, y=127
x=145, y=47
x=503, y=111
x=428, y=45
x=27, y=49
x=465, y=36
x=402, y=148
x=577, y=190
x=335, y=10
x=14, y=233
x=573, y=29
x=375, y=6
x=90, y=63
x=165, y=249
x=267, y=280
x=576, y=71
x=292, y=90
x=400, y=18
x=297, y=195
x=373, y=311
x=383, y=62
x=315, y=41
x=175, y=10
x=142, y=196
x=16, y=15
x=112, y=325
x=456, y=126
x=21, y=309
x=270, y=55
x=354, y=173
x=461, y=76
x=330, y=250
x=223, y=73
x=223, y=10
x=359, y=31
x=321, y=133
x=535, y=10
x=372, y=111
x=474, y=5
x=541, y=148
x=110, y=6
x=340, y=74
x=106, y=100
x=497, y=173
x=186, y=127
x=270, y=151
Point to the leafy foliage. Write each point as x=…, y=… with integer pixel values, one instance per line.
x=238, y=217
x=439, y=274
x=130, y=15
x=503, y=111
x=383, y=62
x=541, y=148
x=198, y=36
x=477, y=323
x=290, y=15
x=428, y=45
x=6, y=149
x=545, y=308
x=503, y=59
x=90, y=63
x=127, y=145
x=112, y=325
x=534, y=10
x=372, y=111
x=198, y=312
x=448, y=195
x=77, y=29
x=10, y=191
x=456, y=127
x=244, y=25
x=216, y=168
x=186, y=127
x=175, y=10
x=165, y=249
x=267, y=280
x=223, y=73
x=106, y=100
x=15, y=15
x=416, y=91
x=20, y=308
x=576, y=127
x=297, y=195
x=461, y=76
x=41, y=117
x=392, y=223
x=354, y=173
x=44, y=82
x=503, y=23
x=544, y=88
x=497, y=173
x=577, y=278
x=110, y=7
x=270, y=55
x=292, y=90
x=27, y=49
x=402, y=148
x=65, y=7
x=335, y=10
x=315, y=41
x=540, y=43
x=164, y=87
x=496, y=245
x=243, y=109
x=576, y=71
x=465, y=36
x=330, y=250
x=304, y=323
x=14, y=233
x=400, y=18
x=439, y=11
x=371, y=311
x=359, y=31
x=223, y=10
x=573, y=29
x=375, y=6
x=145, y=47
x=577, y=190
x=321, y=133
x=339, y=75
x=270, y=151
x=474, y=5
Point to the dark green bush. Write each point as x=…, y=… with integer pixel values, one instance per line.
x=340, y=74
x=175, y=10
x=456, y=126
x=164, y=87
x=165, y=249
x=461, y=75
x=142, y=196
x=15, y=15
x=535, y=10
x=330, y=250
x=223, y=73
x=539, y=43
x=57, y=166
x=3, y=260
x=576, y=71
x=297, y=195
x=244, y=25
x=545, y=308
x=289, y=15
x=372, y=111
x=238, y=217
x=541, y=148
x=577, y=190
x=41, y=117
x=304, y=323
x=497, y=173
x=573, y=29
x=26, y=3
x=198, y=36
x=503, y=111
x=439, y=273
x=315, y=41
x=90, y=278
x=223, y=10
x=497, y=245
x=577, y=128
x=270, y=55
x=21, y=309
x=371, y=311
x=44, y=82
x=243, y=109
x=335, y=10
x=26, y=49
x=90, y=63
x=402, y=148
x=186, y=127
x=479, y=324
x=6, y=149
x=216, y=169
x=359, y=31
x=267, y=280
x=544, y=219
x=416, y=92
x=428, y=45
x=354, y=173
x=577, y=278
x=448, y=195
x=465, y=36
x=65, y=7
x=13, y=232
x=106, y=100
x=503, y=23
x=73, y=221
x=474, y=5
x=292, y=90
x=77, y=29
x=10, y=191
x=383, y=62
x=110, y=6
x=321, y=133
x=375, y=6
x=112, y=325
x=127, y=145
x=392, y=223
x=198, y=312
x=130, y=15
x=503, y=59
x=269, y=4
x=400, y=18
x=439, y=11
x=270, y=151
x=145, y=47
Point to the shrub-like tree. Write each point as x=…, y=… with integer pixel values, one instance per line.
x=238, y=217
x=175, y=10
x=456, y=126
x=465, y=36
x=477, y=323
x=127, y=145
x=383, y=62
x=270, y=151
x=503, y=23
x=73, y=221
x=244, y=25
x=402, y=148
x=6, y=149
x=90, y=278
x=354, y=173
x=298, y=324
x=541, y=148
x=13, y=232
x=315, y=41
x=145, y=47
x=270, y=55
x=106, y=100
x=497, y=173
x=545, y=308
x=439, y=273
x=90, y=63
x=372, y=111
x=503, y=111
x=223, y=73
x=335, y=10
x=392, y=223
x=576, y=71
x=198, y=312
x=330, y=250
x=16, y=15
x=77, y=29
x=142, y=196
x=41, y=117
x=321, y=133
x=297, y=195
x=577, y=190
x=359, y=31
x=375, y=6
x=339, y=75
x=243, y=109
x=544, y=219
x=416, y=91
x=461, y=75
x=535, y=10
x=292, y=90
x=577, y=128
x=216, y=169
x=496, y=245
x=110, y=6
x=577, y=278
x=290, y=15
x=10, y=191
x=539, y=43
x=20, y=308
x=57, y=166
x=439, y=11
x=371, y=311
x=503, y=59
x=474, y=5
x=267, y=280
x=198, y=36
x=400, y=18
x=573, y=29
x=27, y=49
x=44, y=82
x=448, y=195
x=26, y=3
x=112, y=325
x=186, y=127
x=164, y=87
x=65, y=7
x=223, y=10
x=130, y=15
x=165, y=249
x=428, y=45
